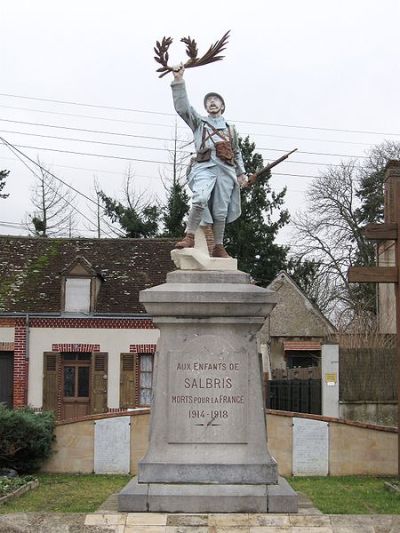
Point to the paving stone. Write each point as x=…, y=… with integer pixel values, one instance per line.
x=146, y=519
x=351, y=520
x=186, y=529
x=145, y=529
x=383, y=523
x=353, y=529
x=106, y=519
x=228, y=520
x=310, y=529
x=119, y=529
x=307, y=512
x=270, y=529
x=310, y=521
x=111, y=504
x=276, y=520
x=41, y=522
x=228, y=529
x=187, y=520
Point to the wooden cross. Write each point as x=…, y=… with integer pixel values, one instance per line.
x=388, y=231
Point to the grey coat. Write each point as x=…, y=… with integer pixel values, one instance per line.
x=195, y=122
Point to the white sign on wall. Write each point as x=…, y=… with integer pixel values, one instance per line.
x=112, y=444
x=310, y=447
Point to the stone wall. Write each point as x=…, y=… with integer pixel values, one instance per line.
x=353, y=448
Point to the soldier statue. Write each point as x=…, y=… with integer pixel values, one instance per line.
x=217, y=170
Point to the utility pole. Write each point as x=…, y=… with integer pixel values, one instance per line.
x=389, y=230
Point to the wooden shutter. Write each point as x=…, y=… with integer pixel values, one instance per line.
x=51, y=380
x=128, y=380
x=98, y=378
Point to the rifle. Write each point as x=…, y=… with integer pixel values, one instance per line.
x=264, y=171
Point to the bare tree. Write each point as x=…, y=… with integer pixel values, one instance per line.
x=329, y=232
x=339, y=204
x=53, y=204
x=174, y=180
x=100, y=226
x=136, y=215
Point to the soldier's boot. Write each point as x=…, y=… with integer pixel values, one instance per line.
x=219, y=251
x=186, y=242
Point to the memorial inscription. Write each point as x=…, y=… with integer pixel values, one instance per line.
x=208, y=397
x=310, y=447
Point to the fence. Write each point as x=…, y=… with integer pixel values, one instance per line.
x=297, y=395
x=367, y=374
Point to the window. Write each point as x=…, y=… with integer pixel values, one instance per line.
x=80, y=286
x=77, y=295
x=146, y=379
x=303, y=359
x=136, y=379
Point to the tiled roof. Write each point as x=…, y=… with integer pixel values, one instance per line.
x=31, y=271
x=301, y=345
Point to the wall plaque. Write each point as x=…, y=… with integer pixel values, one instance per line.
x=310, y=447
x=112, y=445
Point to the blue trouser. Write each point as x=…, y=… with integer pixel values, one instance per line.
x=212, y=188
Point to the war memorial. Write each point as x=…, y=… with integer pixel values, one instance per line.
x=208, y=438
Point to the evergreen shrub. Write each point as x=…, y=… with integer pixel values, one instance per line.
x=25, y=438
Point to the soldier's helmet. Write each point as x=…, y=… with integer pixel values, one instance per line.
x=215, y=94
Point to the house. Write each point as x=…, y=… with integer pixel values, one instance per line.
x=73, y=336
x=294, y=331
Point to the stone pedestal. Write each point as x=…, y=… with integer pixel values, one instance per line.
x=208, y=447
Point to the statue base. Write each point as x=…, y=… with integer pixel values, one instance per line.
x=208, y=440
x=198, y=498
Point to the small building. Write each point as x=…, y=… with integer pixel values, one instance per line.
x=73, y=336
x=294, y=331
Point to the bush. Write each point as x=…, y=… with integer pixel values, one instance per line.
x=25, y=438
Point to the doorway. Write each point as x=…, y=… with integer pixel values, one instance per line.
x=75, y=385
x=6, y=378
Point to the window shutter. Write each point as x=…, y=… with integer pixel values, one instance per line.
x=128, y=380
x=98, y=393
x=51, y=380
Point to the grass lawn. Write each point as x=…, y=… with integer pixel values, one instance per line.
x=348, y=494
x=85, y=493
x=66, y=493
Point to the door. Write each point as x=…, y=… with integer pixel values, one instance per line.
x=75, y=385
x=6, y=378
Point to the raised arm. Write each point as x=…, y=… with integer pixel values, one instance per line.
x=181, y=101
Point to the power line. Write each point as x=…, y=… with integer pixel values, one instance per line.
x=82, y=104
x=158, y=138
x=16, y=148
x=143, y=147
x=50, y=187
x=157, y=177
x=77, y=115
x=128, y=158
x=92, y=141
x=95, y=117
x=92, y=169
x=93, y=155
x=84, y=130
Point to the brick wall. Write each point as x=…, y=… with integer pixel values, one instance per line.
x=142, y=348
x=21, y=364
x=75, y=348
x=98, y=323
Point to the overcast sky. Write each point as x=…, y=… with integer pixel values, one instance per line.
x=295, y=72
